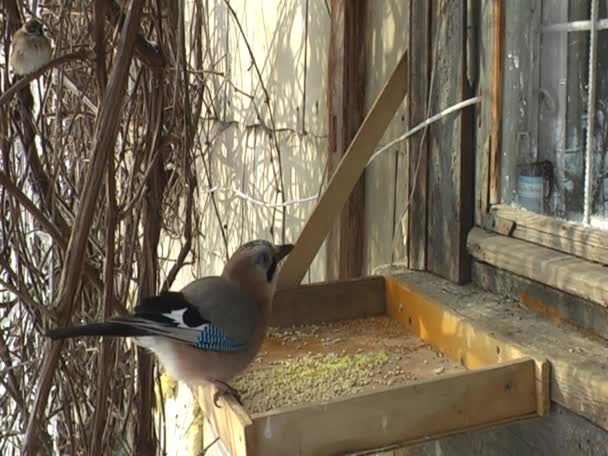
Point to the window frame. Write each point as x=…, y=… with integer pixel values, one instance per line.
x=564, y=236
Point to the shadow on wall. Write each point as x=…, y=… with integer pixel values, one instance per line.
x=262, y=162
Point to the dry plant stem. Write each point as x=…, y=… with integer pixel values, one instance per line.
x=105, y=139
x=105, y=357
x=152, y=215
x=85, y=54
x=53, y=231
x=187, y=245
x=144, y=51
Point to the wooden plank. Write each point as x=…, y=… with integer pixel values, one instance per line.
x=484, y=112
x=347, y=73
x=344, y=179
x=329, y=301
x=352, y=219
x=496, y=90
x=335, y=146
x=559, y=270
x=551, y=303
x=582, y=241
x=451, y=149
x=420, y=46
x=386, y=193
x=482, y=328
x=414, y=412
x=230, y=421
x=347, y=60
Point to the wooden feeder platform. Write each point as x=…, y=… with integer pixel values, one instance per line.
x=461, y=387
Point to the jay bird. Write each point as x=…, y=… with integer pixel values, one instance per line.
x=30, y=48
x=212, y=329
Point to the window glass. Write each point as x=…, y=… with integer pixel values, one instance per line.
x=545, y=110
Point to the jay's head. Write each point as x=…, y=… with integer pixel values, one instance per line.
x=33, y=27
x=257, y=261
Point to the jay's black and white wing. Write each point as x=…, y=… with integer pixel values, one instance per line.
x=212, y=314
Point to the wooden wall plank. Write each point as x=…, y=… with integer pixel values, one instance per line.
x=387, y=175
x=484, y=113
x=451, y=147
x=496, y=86
x=329, y=301
x=420, y=47
x=347, y=103
x=335, y=92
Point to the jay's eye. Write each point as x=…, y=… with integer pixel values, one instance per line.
x=263, y=259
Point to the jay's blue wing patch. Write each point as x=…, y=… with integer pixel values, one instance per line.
x=212, y=338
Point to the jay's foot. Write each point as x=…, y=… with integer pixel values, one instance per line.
x=222, y=390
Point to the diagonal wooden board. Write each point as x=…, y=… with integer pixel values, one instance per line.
x=345, y=177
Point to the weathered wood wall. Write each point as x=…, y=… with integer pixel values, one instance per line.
x=387, y=176
x=451, y=178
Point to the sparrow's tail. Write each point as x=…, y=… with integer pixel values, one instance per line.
x=109, y=328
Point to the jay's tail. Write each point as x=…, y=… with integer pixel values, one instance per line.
x=109, y=328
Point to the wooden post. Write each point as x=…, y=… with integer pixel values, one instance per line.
x=451, y=184
x=420, y=47
x=347, y=64
x=490, y=110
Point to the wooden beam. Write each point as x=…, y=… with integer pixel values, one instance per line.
x=555, y=269
x=402, y=415
x=420, y=63
x=572, y=238
x=329, y=302
x=484, y=113
x=346, y=107
x=496, y=94
x=450, y=208
x=349, y=170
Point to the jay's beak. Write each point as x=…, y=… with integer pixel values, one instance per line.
x=281, y=251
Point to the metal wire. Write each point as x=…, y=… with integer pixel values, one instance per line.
x=590, y=115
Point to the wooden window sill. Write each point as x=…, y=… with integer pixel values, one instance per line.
x=578, y=240
x=559, y=270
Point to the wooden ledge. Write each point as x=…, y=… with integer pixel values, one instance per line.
x=572, y=238
x=559, y=270
x=481, y=329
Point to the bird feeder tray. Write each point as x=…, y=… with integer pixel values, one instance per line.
x=431, y=374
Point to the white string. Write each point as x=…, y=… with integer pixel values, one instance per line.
x=239, y=194
x=426, y=123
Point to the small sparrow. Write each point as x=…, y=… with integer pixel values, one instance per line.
x=30, y=49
